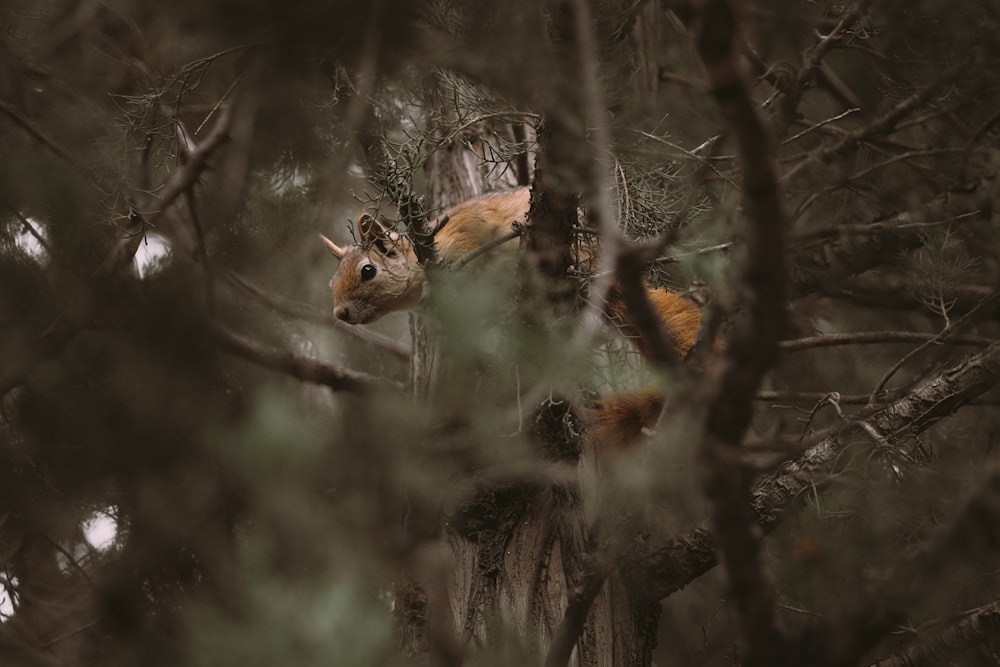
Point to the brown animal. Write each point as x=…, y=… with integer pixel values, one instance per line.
x=381, y=275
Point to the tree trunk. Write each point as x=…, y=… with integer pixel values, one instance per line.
x=516, y=555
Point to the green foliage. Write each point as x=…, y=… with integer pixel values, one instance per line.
x=269, y=499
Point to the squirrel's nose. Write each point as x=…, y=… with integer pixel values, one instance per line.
x=342, y=313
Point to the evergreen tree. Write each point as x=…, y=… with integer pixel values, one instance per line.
x=200, y=464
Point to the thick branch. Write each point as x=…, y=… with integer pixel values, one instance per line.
x=598, y=567
x=752, y=349
x=553, y=213
x=679, y=561
x=841, y=399
x=976, y=627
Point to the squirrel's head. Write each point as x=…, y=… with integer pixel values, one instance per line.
x=378, y=276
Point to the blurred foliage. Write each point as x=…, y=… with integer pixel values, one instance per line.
x=262, y=518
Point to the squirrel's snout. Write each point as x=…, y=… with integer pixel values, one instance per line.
x=342, y=313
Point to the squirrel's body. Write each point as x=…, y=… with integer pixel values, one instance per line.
x=396, y=282
x=382, y=275
x=476, y=222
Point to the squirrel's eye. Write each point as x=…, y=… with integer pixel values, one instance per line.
x=368, y=272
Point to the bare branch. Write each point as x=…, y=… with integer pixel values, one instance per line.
x=57, y=150
x=811, y=62
x=183, y=178
x=818, y=265
x=843, y=399
x=365, y=335
x=881, y=125
x=878, y=337
x=974, y=627
x=954, y=326
x=282, y=361
x=901, y=222
x=677, y=562
x=57, y=256
x=597, y=565
x=815, y=126
x=752, y=349
x=485, y=248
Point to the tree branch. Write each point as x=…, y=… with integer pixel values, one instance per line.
x=976, y=626
x=301, y=368
x=879, y=337
x=842, y=399
x=954, y=326
x=811, y=61
x=365, y=335
x=38, y=135
x=892, y=594
x=597, y=567
x=640, y=322
x=881, y=125
x=675, y=563
x=821, y=264
x=752, y=349
x=180, y=180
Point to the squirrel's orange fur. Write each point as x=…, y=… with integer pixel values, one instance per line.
x=679, y=316
x=619, y=419
x=381, y=275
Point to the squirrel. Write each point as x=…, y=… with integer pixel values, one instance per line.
x=381, y=275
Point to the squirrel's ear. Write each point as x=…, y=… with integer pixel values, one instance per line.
x=370, y=229
x=334, y=249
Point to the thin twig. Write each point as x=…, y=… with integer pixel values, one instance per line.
x=69, y=557
x=936, y=339
x=218, y=104
x=302, y=368
x=818, y=125
x=877, y=337
x=902, y=221
x=183, y=178
x=881, y=125
x=184, y=146
x=485, y=248
x=671, y=259
x=57, y=256
x=370, y=336
x=55, y=148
